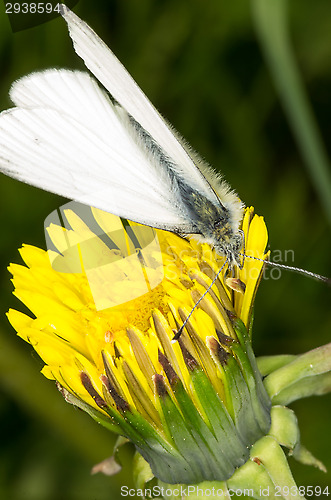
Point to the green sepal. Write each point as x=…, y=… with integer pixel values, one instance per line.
x=255, y=478
x=284, y=427
x=164, y=459
x=270, y=454
x=246, y=359
x=133, y=426
x=310, y=386
x=302, y=455
x=219, y=465
x=241, y=404
x=306, y=375
x=221, y=424
x=198, y=462
x=268, y=364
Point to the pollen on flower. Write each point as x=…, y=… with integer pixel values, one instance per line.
x=108, y=336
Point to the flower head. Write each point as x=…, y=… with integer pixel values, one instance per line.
x=105, y=311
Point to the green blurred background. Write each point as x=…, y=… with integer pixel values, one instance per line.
x=241, y=81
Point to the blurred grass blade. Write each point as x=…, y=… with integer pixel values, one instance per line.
x=271, y=23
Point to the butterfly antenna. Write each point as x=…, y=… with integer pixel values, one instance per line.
x=294, y=269
x=269, y=263
x=180, y=330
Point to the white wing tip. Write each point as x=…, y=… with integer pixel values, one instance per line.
x=64, y=10
x=69, y=16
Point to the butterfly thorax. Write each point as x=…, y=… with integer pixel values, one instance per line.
x=214, y=225
x=229, y=245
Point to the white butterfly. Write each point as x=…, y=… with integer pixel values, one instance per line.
x=67, y=136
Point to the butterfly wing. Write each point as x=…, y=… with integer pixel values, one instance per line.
x=66, y=136
x=100, y=60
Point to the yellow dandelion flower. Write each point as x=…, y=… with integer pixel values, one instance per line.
x=105, y=308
